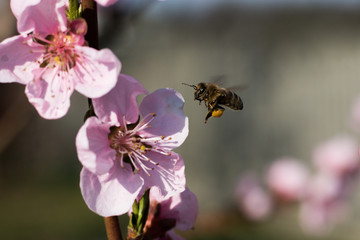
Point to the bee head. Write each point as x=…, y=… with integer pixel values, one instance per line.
x=200, y=92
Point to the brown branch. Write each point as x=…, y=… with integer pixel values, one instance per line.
x=89, y=13
x=113, y=231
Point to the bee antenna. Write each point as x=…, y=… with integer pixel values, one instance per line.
x=193, y=86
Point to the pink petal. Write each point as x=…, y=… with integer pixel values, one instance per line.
x=95, y=72
x=120, y=101
x=19, y=6
x=252, y=200
x=183, y=207
x=337, y=156
x=39, y=16
x=93, y=147
x=106, y=3
x=288, y=178
x=324, y=187
x=110, y=194
x=319, y=219
x=168, y=176
x=170, y=120
x=17, y=60
x=186, y=204
x=50, y=98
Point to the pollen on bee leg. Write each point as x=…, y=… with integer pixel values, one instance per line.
x=217, y=112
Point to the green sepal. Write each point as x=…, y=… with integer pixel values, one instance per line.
x=144, y=204
x=133, y=216
x=140, y=213
x=74, y=11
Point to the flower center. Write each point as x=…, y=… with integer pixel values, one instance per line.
x=132, y=148
x=59, y=50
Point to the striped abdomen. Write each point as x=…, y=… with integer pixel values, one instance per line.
x=230, y=99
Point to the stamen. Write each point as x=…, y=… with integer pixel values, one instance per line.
x=121, y=160
x=124, y=123
x=142, y=165
x=161, y=151
x=128, y=141
x=143, y=157
x=144, y=123
x=133, y=162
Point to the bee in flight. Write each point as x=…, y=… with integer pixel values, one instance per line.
x=215, y=96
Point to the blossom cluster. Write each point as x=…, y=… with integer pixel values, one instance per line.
x=124, y=148
x=322, y=192
x=51, y=58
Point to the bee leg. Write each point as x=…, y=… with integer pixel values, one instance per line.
x=208, y=115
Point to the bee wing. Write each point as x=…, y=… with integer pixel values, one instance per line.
x=218, y=80
x=237, y=88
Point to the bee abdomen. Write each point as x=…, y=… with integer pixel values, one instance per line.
x=231, y=100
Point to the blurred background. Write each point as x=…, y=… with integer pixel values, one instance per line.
x=299, y=61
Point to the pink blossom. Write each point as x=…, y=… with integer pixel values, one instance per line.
x=325, y=204
x=50, y=58
x=319, y=219
x=165, y=214
x=251, y=198
x=287, y=178
x=338, y=156
x=122, y=155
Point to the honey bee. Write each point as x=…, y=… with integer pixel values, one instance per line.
x=215, y=96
